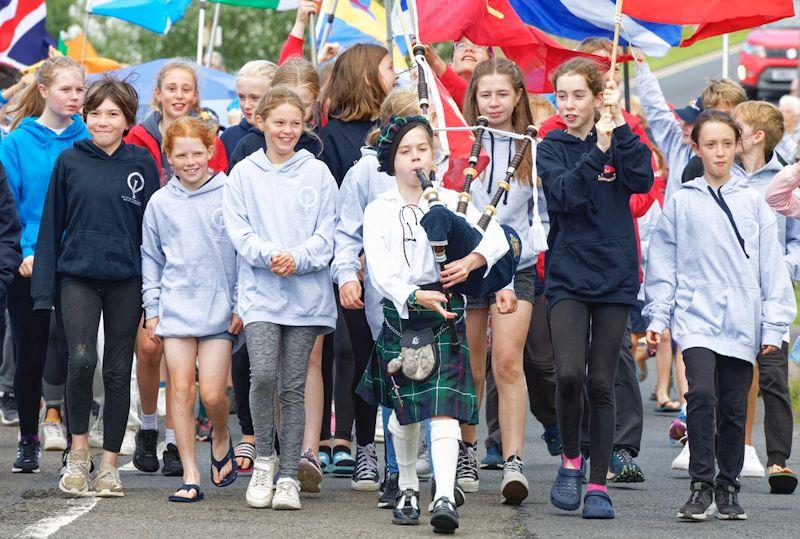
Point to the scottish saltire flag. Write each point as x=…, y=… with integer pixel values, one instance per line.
x=278, y=5
x=579, y=19
x=155, y=15
x=23, y=38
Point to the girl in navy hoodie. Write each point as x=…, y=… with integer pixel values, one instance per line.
x=88, y=263
x=589, y=172
x=252, y=82
x=47, y=122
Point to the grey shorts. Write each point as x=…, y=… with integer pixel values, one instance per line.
x=523, y=288
x=224, y=336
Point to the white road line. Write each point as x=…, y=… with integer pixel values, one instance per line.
x=48, y=526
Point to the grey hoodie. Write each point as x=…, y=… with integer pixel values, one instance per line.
x=701, y=283
x=188, y=262
x=291, y=207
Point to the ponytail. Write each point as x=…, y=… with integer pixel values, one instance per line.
x=31, y=102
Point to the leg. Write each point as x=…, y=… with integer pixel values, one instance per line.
x=314, y=396
x=445, y=436
x=628, y=401
x=327, y=393
x=240, y=374
x=262, y=345
x=344, y=363
x=181, y=353
x=215, y=364
x=734, y=381
x=752, y=400
x=773, y=378
x=491, y=410
x=148, y=363
x=406, y=442
x=540, y=373
x=55, y=369
x=701, y=406
x=477, y=326
x=362, y=343
x=663, y=367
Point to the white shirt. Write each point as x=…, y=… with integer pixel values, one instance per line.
x=399, y=256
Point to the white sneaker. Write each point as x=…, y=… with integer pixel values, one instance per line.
x=53, y=438
x=681, y=462
x=752, y=465
x=379, y=436
x=287, y=494
x=128, y=442
x=96, y=432
x=161, y=403
x=259, y=491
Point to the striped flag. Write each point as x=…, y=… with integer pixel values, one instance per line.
x=278, y=5
x=23, y=38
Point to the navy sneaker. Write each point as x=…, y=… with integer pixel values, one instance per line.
x=389, y=491
x=552, y=437
x=623, y=469
x=406, y=508
x=445, y=516
x=173, y=467
x=145, y=458
x=493, y=459
x=28, y=452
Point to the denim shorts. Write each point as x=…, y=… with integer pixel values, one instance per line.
x=523, y=288
x=223, y=335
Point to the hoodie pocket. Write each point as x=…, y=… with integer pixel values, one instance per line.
x=728, y=312
x=98, y=255
x=196, y=313
x=595, y=268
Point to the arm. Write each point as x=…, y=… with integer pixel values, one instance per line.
x=10, y=230
x=661, y=275
x=152, y=180
x=254, y=250
x=153, y=262
x=781, y=195
x=51, y=230
x=792, y=255
x=454, y=84
x=568, y=190
x=633, y=160
x=9, y=157
x=293, y=46
x=778, y=306
x=315, y=253
x=348, y=237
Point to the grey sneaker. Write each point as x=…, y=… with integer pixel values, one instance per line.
x=514, y=487
x=8, y=410
x=76, y=479
x=467, y=468
x=107, y=484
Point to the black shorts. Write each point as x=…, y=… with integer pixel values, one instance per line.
x=639, y=323
x=523, y=288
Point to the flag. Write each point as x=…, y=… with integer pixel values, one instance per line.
x=579, y=19
x=714, y=17
x=23, y=38
x=92, y=63
x=155, y=15
x=278, y=5
x=495, y=23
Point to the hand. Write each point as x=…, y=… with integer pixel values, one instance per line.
x=236, y=324
x=433, y=300
x=604, y=128
x=363, y=268
x=612, y=98
x=282, y=264
x=150, y=327
x=330, y=50
x=434, y=60
x=653, y=341
x=767, y=349
x=350, y=295
x=506, y=301
x=304, y=9
x=26, y=268
x=458, y=271
x=638, y=56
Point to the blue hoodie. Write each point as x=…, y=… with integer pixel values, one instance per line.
x=712, y=275
x=28, y=154
x=290, y=207
x=188, y=262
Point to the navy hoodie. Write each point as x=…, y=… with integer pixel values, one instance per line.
x=341, y=144
x=593, y=255
x=10, y=231
x=232, y=135
x=92, y=221
x=254, y=140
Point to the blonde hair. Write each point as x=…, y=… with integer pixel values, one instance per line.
x=188, y=127
x=540, y=105
x=257, y=69
x=172, y=65
x=399, y=102
x=761, y=116
x=31, y=102
x=299, y=73
x=355, y=90
x=722, y=92
x=276, y=97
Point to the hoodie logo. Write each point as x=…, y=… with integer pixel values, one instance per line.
x=135, y=184
x=218, y=223
x=609, y=174
x=308, y=197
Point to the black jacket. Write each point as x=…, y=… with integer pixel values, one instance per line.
x=10, y=230
x=92, y=220
x=341, y=145
x=593, y=253
x=254, y=140
x=232, y=135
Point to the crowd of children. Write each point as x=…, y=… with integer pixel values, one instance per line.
x=292, y=251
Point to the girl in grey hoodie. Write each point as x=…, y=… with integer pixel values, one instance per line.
x=280, y=209
x=189, y=296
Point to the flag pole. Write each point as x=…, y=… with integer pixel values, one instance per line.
x=406, y=38
x=201, y=23
x=88, y=7
x=388, y=5
x=615, y=47
x=726, y=45
x=212, y=39
x=312, y=38
x=327, y=24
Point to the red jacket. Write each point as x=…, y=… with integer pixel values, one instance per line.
x=139, y=136
x=293, y=46
x=456, y=85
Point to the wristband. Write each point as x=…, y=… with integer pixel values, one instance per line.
x=412, y=299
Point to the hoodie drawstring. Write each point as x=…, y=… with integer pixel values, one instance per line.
x=724, y=205
x=491, y=165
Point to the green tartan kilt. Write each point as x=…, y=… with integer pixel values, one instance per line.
x=448, y=392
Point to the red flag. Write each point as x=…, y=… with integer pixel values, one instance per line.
x=714, y=17
x=495, y=23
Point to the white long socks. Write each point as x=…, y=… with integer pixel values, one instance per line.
x=445, y=435
x=406, y=444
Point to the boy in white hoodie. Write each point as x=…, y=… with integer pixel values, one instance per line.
x=712, y=280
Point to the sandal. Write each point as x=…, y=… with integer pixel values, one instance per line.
x=566, y=491
x=597, y=505
x=668, y=407
x=220, y=464
x=199, y=496
x=245, y=450
x=782, y=480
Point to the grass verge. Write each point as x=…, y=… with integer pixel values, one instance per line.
x=680, y=54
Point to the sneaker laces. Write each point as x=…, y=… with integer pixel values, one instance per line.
x=108, y=474
x=624, y=457
x=513, y=465
x=467, y=463
x=77, y=467
x=260, y=479
x=366, y=462
x=286, y=488
x=27, y=450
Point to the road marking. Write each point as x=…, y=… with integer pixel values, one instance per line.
x=49, y=525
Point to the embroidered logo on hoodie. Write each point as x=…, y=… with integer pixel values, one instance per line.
x=308, y=197
x=135, y=184
x=609, y=173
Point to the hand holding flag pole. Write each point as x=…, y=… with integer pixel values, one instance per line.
x=615, y=47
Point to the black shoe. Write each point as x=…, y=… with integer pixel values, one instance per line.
x=623, y=469
x=445, y=516
x=27, y=457
x=552, y=437
x=144, y=456
x=173, y=467
x=728, y=507
x=700, y=504
x=458, y=492
x=406, y=508
x=389, y=493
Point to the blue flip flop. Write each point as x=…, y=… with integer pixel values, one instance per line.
x=597, y=504
x=566, y=491
x=181, y=499
x=220, y=464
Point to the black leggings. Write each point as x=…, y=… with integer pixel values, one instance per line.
x=55, y=365
x=29, y=331
x=570, y=323
x=82, y=301
x=349, y=368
